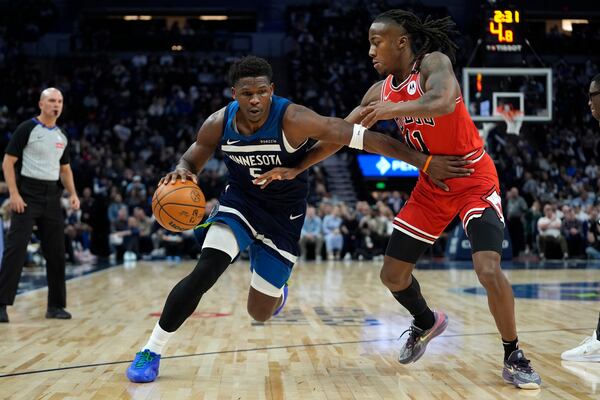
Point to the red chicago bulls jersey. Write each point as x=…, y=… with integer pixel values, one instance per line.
x=450, y=134
x=430, y=209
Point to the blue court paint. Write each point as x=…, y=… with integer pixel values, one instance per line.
x=588, y=291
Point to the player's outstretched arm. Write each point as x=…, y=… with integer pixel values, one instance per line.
x=321, y=150
x=299, y=120
x=441, y=91
x=196, y=156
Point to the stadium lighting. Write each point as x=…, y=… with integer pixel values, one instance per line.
x=137, y=17
x=213, y=17
x=567, y=24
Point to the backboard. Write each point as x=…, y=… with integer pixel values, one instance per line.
x=528, y=90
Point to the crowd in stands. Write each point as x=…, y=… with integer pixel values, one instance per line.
x=128, y=122
x=553, y=164
x=130, y=118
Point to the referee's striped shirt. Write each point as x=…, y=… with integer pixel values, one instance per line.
x=41, y=150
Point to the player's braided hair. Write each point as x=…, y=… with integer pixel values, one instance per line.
x=249, y=66
x=426, y=36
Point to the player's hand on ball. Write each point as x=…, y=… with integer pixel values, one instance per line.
x=276, y=174
x=180, y=173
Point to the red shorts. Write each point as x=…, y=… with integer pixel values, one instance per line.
x=430, y=209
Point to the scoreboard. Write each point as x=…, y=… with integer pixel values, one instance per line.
x=503, y=30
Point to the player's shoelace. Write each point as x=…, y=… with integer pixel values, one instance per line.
x=413, y=334
x=142, y=358
x=523, y=365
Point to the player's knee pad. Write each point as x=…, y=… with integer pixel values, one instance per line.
x=264, y=286
x=486, y=233
x=221, y=237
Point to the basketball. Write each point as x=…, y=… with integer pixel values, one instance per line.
x=178, y=207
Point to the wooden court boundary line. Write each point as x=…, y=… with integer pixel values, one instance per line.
x=273, y=348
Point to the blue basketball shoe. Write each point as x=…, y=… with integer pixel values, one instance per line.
x=144, y=368
x=285, y=296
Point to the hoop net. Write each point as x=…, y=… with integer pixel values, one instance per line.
x=513, y=119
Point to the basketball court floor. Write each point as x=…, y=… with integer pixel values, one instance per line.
x=337, y=338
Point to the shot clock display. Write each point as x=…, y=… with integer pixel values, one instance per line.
x=503, y=30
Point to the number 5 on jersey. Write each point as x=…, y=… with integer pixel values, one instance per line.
x=255, y=173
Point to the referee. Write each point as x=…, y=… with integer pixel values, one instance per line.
x=36, y=157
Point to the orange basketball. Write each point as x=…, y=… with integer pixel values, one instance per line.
x=178, y=207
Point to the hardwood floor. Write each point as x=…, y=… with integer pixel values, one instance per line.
x=336, y=339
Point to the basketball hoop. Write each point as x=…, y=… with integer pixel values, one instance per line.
x=513, y=119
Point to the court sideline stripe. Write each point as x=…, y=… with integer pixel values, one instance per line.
x=73, y=278
x=273, y=348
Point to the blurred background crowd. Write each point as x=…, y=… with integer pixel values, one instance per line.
x=132, y=109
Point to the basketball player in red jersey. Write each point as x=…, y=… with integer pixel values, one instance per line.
x=421, y=93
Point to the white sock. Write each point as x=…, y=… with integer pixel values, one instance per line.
x=158, y=339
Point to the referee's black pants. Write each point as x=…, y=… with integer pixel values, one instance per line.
x=44, y=210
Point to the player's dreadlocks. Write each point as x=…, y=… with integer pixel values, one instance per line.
x=249, y=66
x=430, y=35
